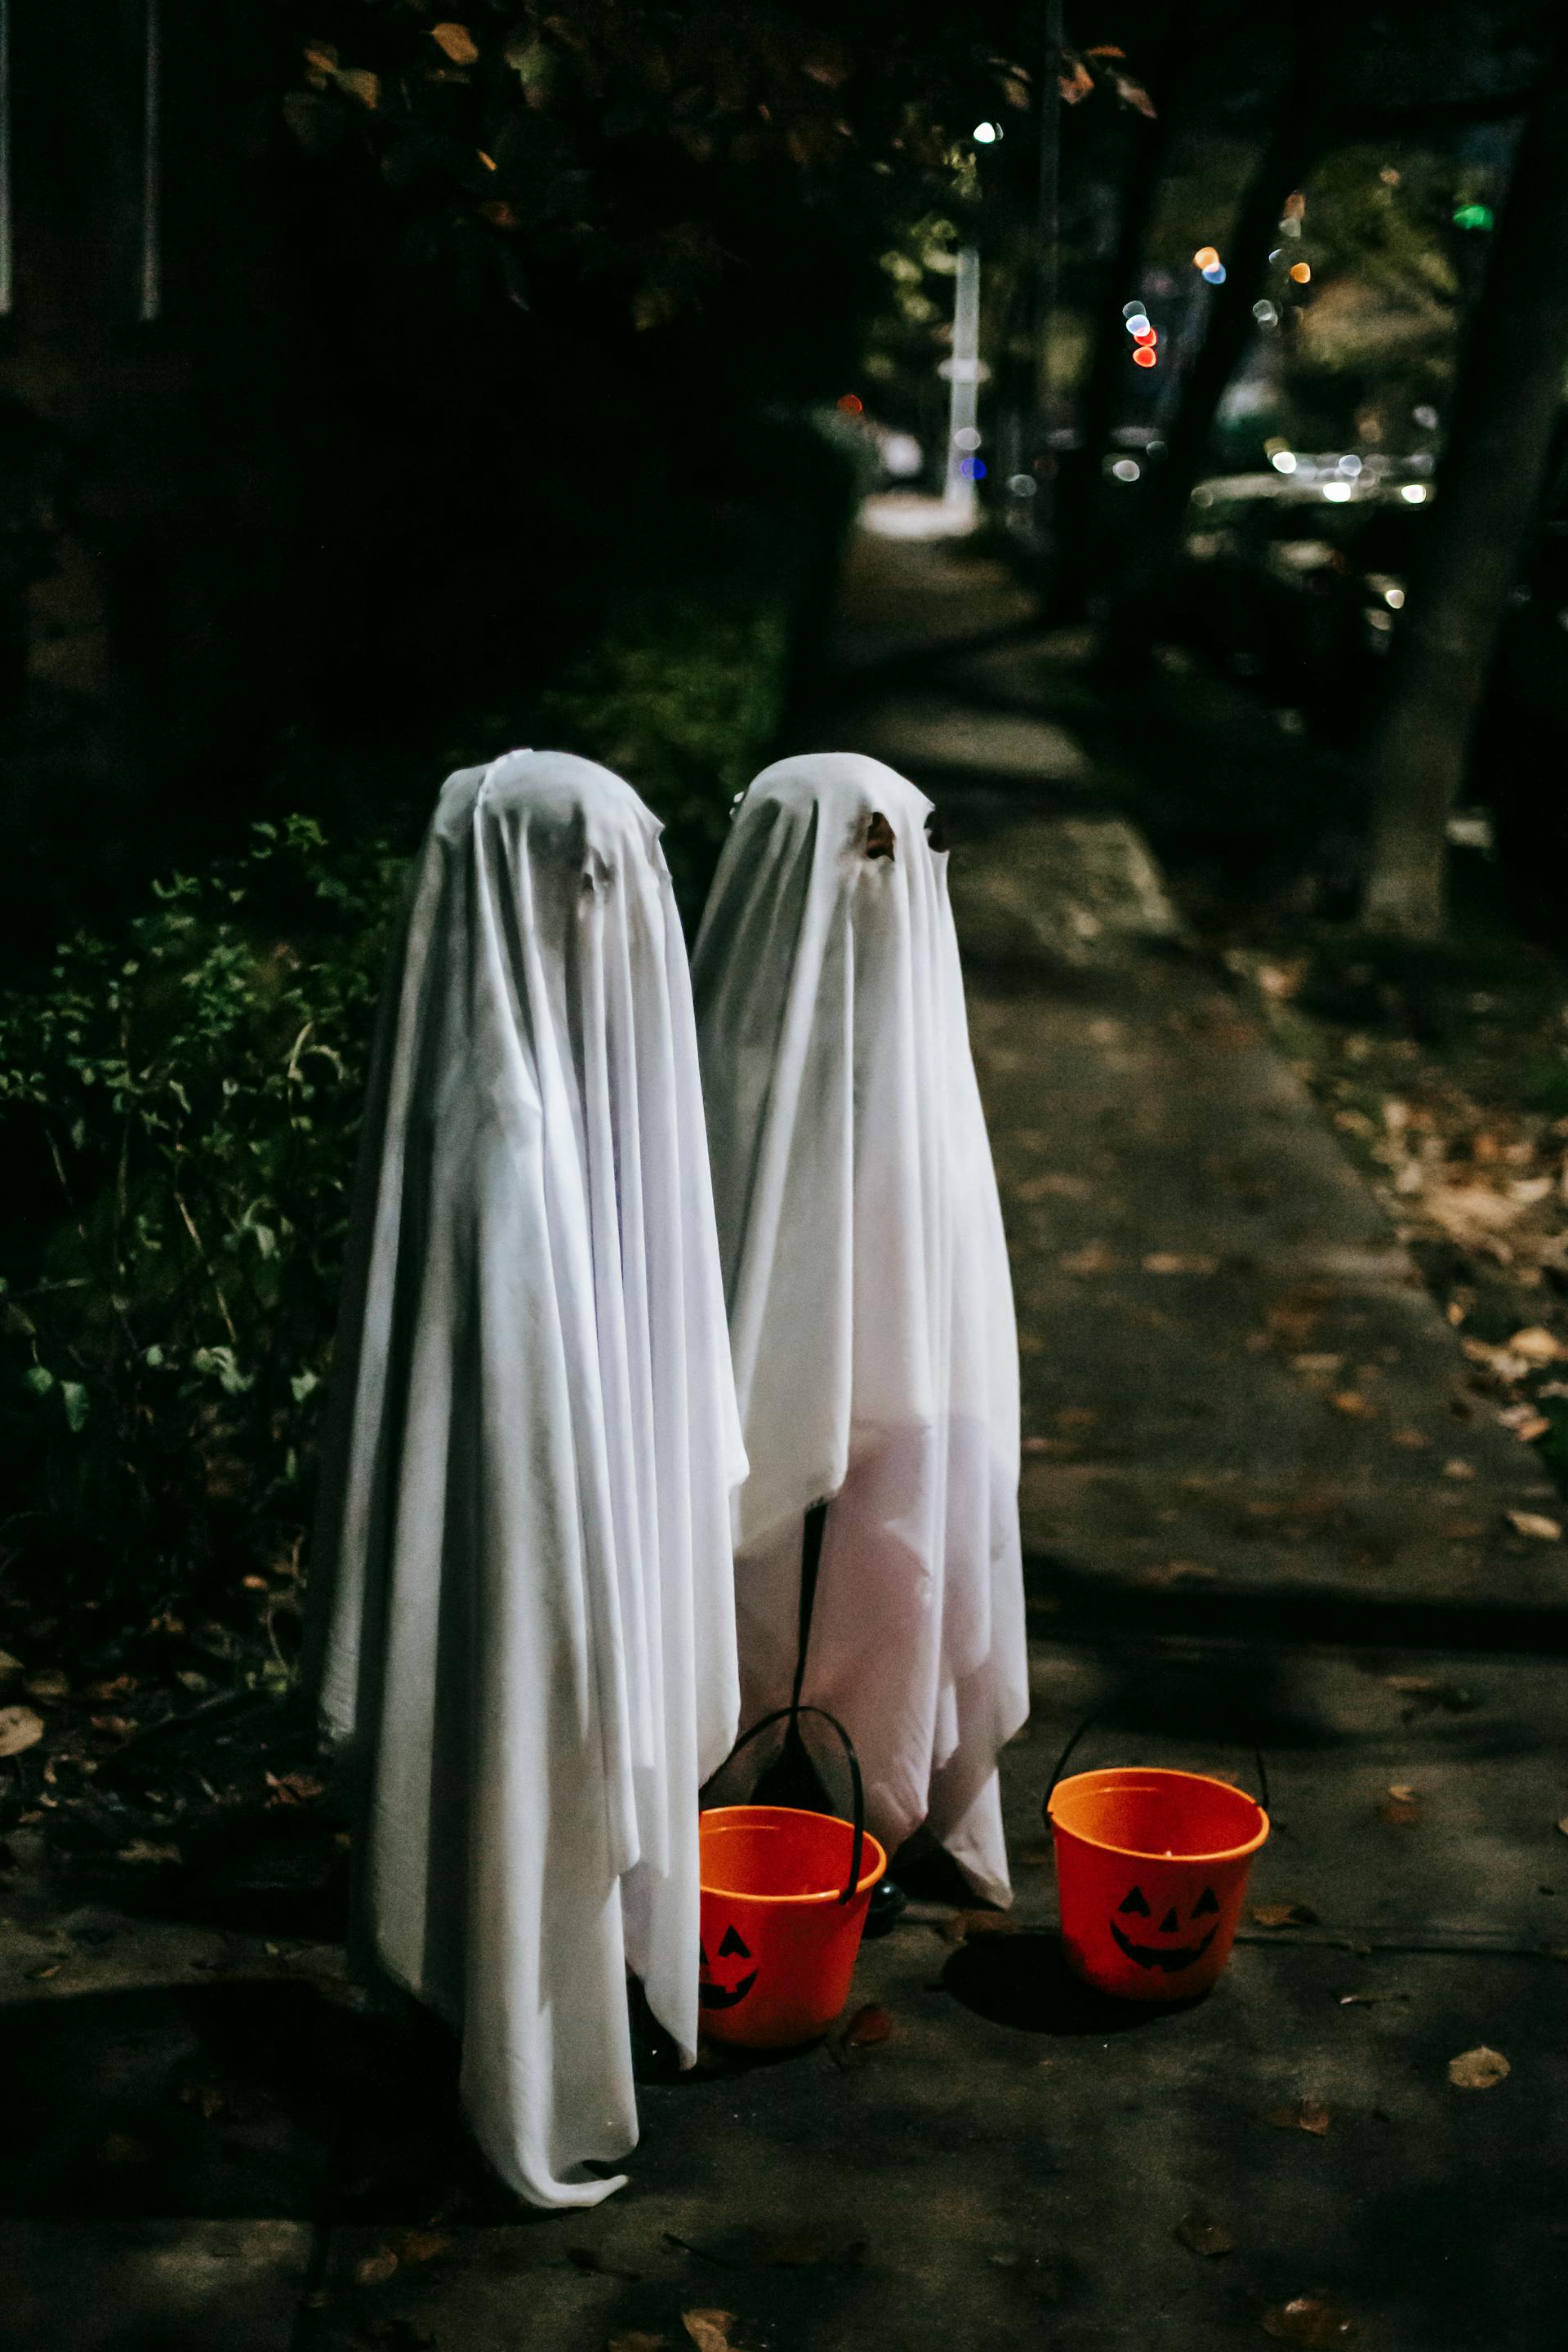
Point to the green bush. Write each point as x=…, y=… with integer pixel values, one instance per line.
x=181, y=1110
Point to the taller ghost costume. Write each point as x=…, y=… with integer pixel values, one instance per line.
x=870, y=1308
x=526, y=1620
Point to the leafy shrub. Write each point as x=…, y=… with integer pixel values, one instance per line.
x=181, y=1110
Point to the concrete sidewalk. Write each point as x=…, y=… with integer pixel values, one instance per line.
x=1263, y=1505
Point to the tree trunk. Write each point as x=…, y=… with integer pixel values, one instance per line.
x=1506, y=409
x=1293, y=143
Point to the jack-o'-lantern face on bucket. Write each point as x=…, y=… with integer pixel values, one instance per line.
x=1170, y=1943
x=727, y=1978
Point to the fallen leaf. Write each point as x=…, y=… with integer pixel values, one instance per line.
x=1305, y=2320
x=1535, y=1524
x=1351, y=1402
x=1457, y=1469
x=1412, y=1682
x=1411, y=1439
x=456, y=42
x=637, y=2339
x=1180, y=1262
x=1462, y=1530
x=1478, y=2070
x=1306, y=2116
x=49, y=1683
x=1401, y=1792
x=1562, y=1826
x=1323, y=1364
x=20, y=1728
x=1204, y=2235
x=1399, y=1813
x=1095, y=1258
x=1284, y=1915
x=9, y=1666
x=869, y=2026
x=293, y=1789
x=1177, y=1571
x=113, y=1727
x=1526, y=1423
x=1535, y=1344
x=142, y=1850
x=961, y=1926
x=709, y=2330
x=377, y=2268
x=422, y=2246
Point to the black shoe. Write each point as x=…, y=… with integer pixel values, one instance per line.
x=887, y=1907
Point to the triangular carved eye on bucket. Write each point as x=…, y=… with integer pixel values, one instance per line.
x=1207, y=1901
x=1134, y=1902
x=733, y=1943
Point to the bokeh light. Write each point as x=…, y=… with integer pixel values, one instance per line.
x=1145, y=355
x=1301, y=271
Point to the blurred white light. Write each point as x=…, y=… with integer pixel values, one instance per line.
x=1137, y=324
x=1132, y=309
x=1023, y=486
x=1265, y=314
x=1393, y=597
x=987, y=133
x=1415, y=492
x=1351, y=465
x=1127, y=469
x=1426, y=415
x=966, y=437
x=1337, y=492
x=902, y=455
x=1283, y=461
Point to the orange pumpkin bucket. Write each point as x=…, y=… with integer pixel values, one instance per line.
x=784, y=1895
x=1151, y=1870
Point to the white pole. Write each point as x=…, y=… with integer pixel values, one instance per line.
x=962, y=370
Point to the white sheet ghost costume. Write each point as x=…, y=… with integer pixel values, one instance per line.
x=524, y=1583
x=870, y=1308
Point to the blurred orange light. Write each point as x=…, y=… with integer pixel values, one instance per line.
x=1204, y=258
x=1144, y=356
x=852, y=404
x=1301, y=272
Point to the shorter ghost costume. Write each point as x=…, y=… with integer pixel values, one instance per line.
x=870, y=1308
x=524, y=1626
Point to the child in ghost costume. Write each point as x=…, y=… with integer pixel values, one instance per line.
x=524, y=1627
x=870, y=1308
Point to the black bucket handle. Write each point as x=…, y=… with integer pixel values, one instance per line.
x=779, y=1715
x=1094, y=1716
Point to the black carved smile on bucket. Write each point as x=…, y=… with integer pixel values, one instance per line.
x=1170, y=1959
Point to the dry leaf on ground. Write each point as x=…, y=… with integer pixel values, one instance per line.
x=1478, y=2070
x=377, y=2268
x=144, y=1850
x=49, y=1683
x=1201, y=2234
x=1535, y=1524
x=1535, y=1344
x=1305, y=2320
x=1180, y=1262
x=709, y=2330
x=1306, y=2116
x=963, y=1925
x=637, y=2339
x=20, y=1728
x=1351, y=1402
x=1284, y=1915
x=869, y=2026
x=1164, y=1573
x=457, y=41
